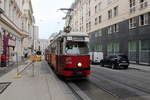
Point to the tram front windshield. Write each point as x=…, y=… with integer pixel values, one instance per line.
x=77, y=48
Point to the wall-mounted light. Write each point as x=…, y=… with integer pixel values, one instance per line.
x=1, y=11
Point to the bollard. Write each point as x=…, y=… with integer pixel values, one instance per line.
x=33, y=61
x=33, y=68
x=17, y=63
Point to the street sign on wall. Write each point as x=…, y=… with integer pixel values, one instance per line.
x=1, y=45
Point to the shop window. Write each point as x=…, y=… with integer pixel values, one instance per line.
x=113, y=48
x=132, y=48
x=144, y=51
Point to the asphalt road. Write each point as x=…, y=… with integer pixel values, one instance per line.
x=108, y=84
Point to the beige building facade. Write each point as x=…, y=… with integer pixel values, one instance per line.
x=16, y=22
x=90, y=15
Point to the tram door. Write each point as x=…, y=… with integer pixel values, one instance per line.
x=59, y=56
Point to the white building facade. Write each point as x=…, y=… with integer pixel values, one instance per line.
x=36, y=38
x=43, y=44
x=14, y=22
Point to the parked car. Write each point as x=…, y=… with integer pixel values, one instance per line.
x=115, y=61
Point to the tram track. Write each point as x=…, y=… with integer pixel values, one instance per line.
x=132, y=86
x=131, y=90
x=86, y=90
x=106, y=90
x=77, y=92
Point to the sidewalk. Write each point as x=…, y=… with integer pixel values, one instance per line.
x=140, y=67
x=43, y=86
x=11, y=66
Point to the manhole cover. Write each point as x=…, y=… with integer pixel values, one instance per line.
x=3, y=86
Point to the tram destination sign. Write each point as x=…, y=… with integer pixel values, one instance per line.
x=77, y=38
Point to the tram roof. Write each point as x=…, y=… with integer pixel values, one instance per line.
x=63, y=34
x=74, y=34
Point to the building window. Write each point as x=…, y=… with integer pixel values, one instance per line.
x=86, y=27
x=110, y=49
x=143, y=4
x=132, y=3
x=89, y=26
x=100, y=19
x=142, y=1
x=95, y=21
x=113, y=48
x=98, y=47
x=115, y=28
x=96, y=9
x=132, y=23
x=143, y=19
x=115, y=11
x=109, y=1
x=96, y=34
x=89, y=13
x=132, y=49
x=144, y=50
x=132, y=6
x=100, y=33
x=5, y=5
x=99, y=6
x=89, y=2
x=109, y=14
x=109, y=30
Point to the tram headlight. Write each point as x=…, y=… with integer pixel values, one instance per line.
x=79, y=64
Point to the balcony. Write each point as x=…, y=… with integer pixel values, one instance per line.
x=132, y=9
x=143, y=5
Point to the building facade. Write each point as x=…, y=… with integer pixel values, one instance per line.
x=43, y=44
x=36, y=38
x=13, y=29
x=115, y=26
x=29, y=21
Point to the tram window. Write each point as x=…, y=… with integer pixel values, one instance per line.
x=77, y=48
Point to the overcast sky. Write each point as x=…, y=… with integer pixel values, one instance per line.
x=47, y=17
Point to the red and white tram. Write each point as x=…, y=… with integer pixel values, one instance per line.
x=68, y=54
